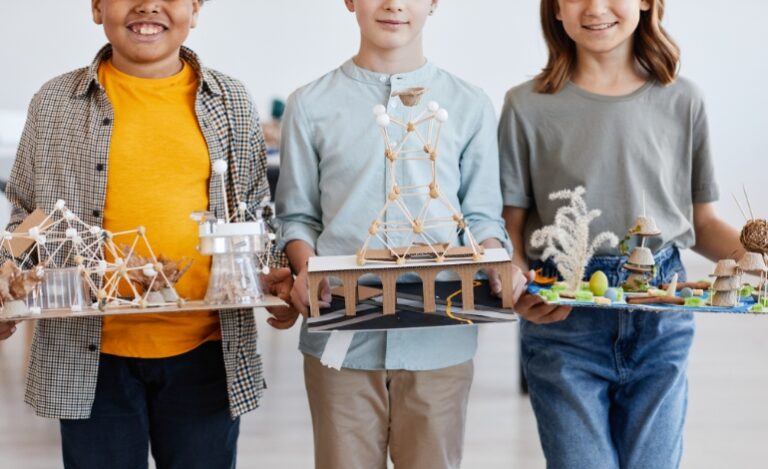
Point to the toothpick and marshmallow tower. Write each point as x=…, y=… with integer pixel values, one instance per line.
x=420, y=143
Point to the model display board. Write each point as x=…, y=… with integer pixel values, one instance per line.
x=686, y=299
x=186, y=307
x=727, y=293
x=82, y=270
x=420, y=230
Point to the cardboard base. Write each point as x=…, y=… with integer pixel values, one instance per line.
x=189, y=306
x=409, y=312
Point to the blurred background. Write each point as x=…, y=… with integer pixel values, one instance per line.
x=276, y=46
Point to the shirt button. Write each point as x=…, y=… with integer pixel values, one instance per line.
x=393, y=104
x=96, y=213
x=383, y=78
x=99, y=167
x=92, y=348
x=106, y=121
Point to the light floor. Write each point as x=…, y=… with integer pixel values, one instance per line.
x=727, y=424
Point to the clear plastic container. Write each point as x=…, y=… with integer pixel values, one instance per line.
x=60, y=289
x=234, y=279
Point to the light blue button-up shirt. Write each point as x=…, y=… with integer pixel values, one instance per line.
x=333, y=184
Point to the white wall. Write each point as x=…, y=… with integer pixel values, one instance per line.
x=275, y=46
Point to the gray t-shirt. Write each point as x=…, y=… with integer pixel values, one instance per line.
x=653, y=141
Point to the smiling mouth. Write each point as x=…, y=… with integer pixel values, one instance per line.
x=146, y=29
x=600, y=27
x=392, y=22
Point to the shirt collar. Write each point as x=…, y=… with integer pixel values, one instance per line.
x=419, y=76
x=203, y=74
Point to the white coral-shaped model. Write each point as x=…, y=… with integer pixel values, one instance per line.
x=566, y=241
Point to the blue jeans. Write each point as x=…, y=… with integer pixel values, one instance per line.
x=179, y=405
x=609, y=388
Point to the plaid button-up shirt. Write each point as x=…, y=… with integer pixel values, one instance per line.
x=63, y=154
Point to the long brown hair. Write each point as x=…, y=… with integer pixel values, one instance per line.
x=654, y=49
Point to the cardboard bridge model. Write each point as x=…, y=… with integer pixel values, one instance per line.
x=346, y=269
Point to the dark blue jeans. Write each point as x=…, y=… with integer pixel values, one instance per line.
x=609, y=388
x=178, y=406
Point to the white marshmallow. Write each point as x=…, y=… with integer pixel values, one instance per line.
x=383, y=120
x=219, y=167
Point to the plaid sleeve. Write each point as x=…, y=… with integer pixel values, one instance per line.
x=259, y=190
x=20, y=190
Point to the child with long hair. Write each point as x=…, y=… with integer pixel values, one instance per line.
x=609, y=112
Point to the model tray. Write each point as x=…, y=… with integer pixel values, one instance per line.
x=189, y=306
x=743, y=307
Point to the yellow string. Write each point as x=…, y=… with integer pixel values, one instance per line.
x=449, y=301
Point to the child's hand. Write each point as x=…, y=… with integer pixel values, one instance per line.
x=7, y=329
x=282, y=317
x=494, y=279
x=279, y=282
x=520, y=282
x=300, y=293
x=533, y=307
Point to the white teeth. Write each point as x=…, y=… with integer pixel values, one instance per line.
x=147, y=29
x=600, y=27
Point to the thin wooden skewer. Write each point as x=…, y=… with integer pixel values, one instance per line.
x=739, y=205
x=748, y=203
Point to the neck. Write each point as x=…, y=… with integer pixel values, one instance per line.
x=390, y=61
x=160, y=69
x=613, y=73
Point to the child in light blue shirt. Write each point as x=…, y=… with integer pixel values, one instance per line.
x=333, y=183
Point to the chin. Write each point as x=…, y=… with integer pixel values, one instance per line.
x=147, y=57
x=392, y=43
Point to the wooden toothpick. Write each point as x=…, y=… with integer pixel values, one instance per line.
x=739, y=205
x=749, y=205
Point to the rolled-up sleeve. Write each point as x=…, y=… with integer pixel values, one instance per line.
x=703, y=183
x=480, y=193
x=20, y=190
x=513, y=156
x=297, y=198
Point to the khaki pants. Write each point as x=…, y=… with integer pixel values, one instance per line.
x=358, y=415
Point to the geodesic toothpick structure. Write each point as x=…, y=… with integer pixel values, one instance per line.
x=419, y=143
x=62, y=240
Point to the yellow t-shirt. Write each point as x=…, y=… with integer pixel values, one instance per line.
x=157, y=174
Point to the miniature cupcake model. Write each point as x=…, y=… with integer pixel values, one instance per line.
x=725, y=290
x=641, y=265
